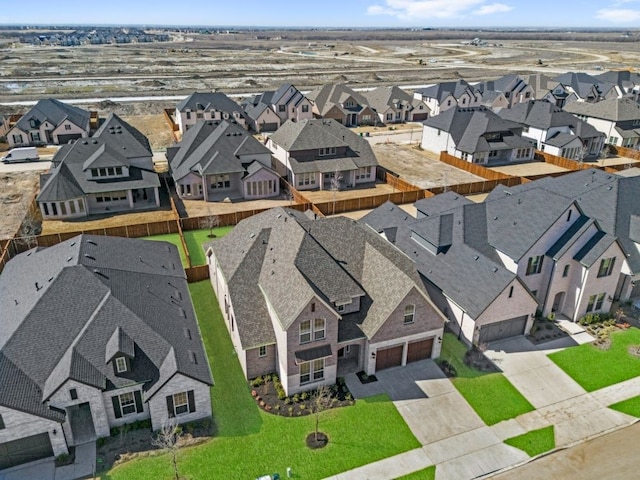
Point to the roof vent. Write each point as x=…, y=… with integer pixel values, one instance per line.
x=86, y=255
x=38, y=287
x=92, y=242
x=98, y=272
x=495, y=218
x=476, y=257
x=495, y=269
x=95, y=142
x=193, y=358
x=187, y=333
x=84, y=142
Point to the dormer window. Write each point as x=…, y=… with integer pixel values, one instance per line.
x=327, y=151
x=121, y=364
x=32, y=123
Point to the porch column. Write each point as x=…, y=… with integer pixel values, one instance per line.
x=130, y=198
x=205, y=191
x=352, y=174
x=157, y=195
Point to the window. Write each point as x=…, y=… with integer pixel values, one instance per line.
x=188, y=115
x=527, y=95
x=63, y=208
x=81, y=205
x=121, y=364
x=67, y=126
x=32, y=123
x=534, y=265
x=35, y=136
x=127, y=403
x=282, y=108
x=73, y=393
x=409, y=313
x=181, y=403
x=511, y=291
x=262, y=351
x=200, y=115
x=363, y=172
x=606, y=267
x=313, y=306
x=94, y=172
x=72, y=207
x=389, y=116
x=17, y=138
x=220, y=181
x=595, y=302
x=306, y=179
x=493, y=153
x=315, y=330
x=311, y=371
x=327, y=151
x=118, y=170
x=305, y=108
x=565, y=271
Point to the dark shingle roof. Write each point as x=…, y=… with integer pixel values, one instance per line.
x=335, y=95
x=613, y=109
x=55, y=112
x=209, y=101
x=440, y=91
x=74, y=300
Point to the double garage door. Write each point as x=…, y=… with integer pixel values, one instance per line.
x=25, y=450
x=392, y=356
x=500, y=330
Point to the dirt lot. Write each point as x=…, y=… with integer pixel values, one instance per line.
x=529, y=169
x=154, y=127
x=420, y=167
x=358, y=214
x=18, y=189
x=199, y=208
x=368, y=190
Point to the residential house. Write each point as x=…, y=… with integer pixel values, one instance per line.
x=476, y=135
x=222, y=160
x=313, y=299
x=494, y=100
x=4, y=125
x=95, y=332
x=514, y=88
x=617, y=118
x=555, y=131
x=322, y=154
x=443, y=96
x=200, y=106
x=546, y=88
x=394, y=105
x=587, y=88
x=482, y=299
x=607, y=201
x=628, y=82
x=343, y=104
x=268, y=110
x=50, y=122
x=109, y=172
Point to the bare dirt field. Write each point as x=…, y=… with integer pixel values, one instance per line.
x=18, y=190
x=154, y=127
x=529, y=169
x=367, y=190
x=420, y=167
x=200, y=208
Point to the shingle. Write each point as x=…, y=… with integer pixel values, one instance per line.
x=55, y=112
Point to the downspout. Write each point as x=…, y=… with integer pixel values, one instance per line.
x=546, y=295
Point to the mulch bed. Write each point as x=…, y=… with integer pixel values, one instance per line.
x=297, y=405
x=319, y=442
x=545, y=331
x=364, y=378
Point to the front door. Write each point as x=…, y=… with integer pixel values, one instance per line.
x=81, y=422
x=557, y=302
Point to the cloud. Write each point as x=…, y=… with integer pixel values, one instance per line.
x=427, y=9
x=492, y=8
x=620, y=15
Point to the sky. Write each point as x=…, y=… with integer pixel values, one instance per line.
x=332, y=13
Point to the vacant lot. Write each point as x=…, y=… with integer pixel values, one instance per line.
x=368, y=190
x=200, y=208
x=17, y=191
x=154, y=127
x=529, y=169
x=420, y=167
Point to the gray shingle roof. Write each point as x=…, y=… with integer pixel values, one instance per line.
x=382, y=98
x=440, y=91
x=613, y=109
x=214, y=148
x=55, y=112
x=584, y=85
x=334, y=95
x=67, y=301
x=120, y=133
x=209, y=101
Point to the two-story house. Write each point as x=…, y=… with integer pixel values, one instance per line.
x=556, y=131
x=513, y=87
x=313, y=299
x=550, y=90
x=476, y=135
x=200, y=106
x=627, y=82
x=109, y=172
x=214, y=161
x=322, y=154
x=443, y=96
x=343, y=104
x=268, y=110
x=96, y=332
x=617, y=118
x=394, y=105
x=587, y=88
x=51, y=122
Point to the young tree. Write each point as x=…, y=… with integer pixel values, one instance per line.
x=335, y=187
x=168, y=438
x=320, y=401
x=211, y=221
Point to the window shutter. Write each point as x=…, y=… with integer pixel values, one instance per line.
x=192, y=401
x=116, y=406
x=170, y=409
x=138, y=398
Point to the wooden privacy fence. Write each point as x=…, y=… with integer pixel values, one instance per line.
x=475, y=188
x=626, y=152
x=197, y=273
x=366, y=203
x=562, y=161
x=472, y=168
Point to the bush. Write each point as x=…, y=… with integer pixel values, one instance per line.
x=296, y=398
x=304, y=396
x=101, y=442
x=282, y=395
x=288, y=401
x=256, y=382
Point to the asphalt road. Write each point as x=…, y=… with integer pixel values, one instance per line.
x=25, y=167
x=611, y=456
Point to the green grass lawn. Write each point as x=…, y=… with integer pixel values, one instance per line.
x=196, y=238
x=171, y=238
x=594, y=368
x=534, y=442
x=428, y=473
x=491, y=395
x=250, y=442
x=630, y=407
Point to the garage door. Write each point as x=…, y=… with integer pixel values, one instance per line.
x=505, y=329
x=388, y=357
x=25, y=450
x=268, y=127
x=418, y=117
x=419, y=350
x=64, y=139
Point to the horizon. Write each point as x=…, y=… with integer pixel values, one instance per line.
x=381, y=14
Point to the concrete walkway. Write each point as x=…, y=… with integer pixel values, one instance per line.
x=456, y=440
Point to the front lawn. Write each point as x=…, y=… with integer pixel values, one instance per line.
x=491, y=395
x=594, y=368
x=534, y=442
x=630, y=407
x=250, y=443
x=196, y=238
x=428, y=473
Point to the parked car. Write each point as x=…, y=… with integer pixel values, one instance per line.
x=22, y=154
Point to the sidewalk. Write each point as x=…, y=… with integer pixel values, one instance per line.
x=455, y=439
